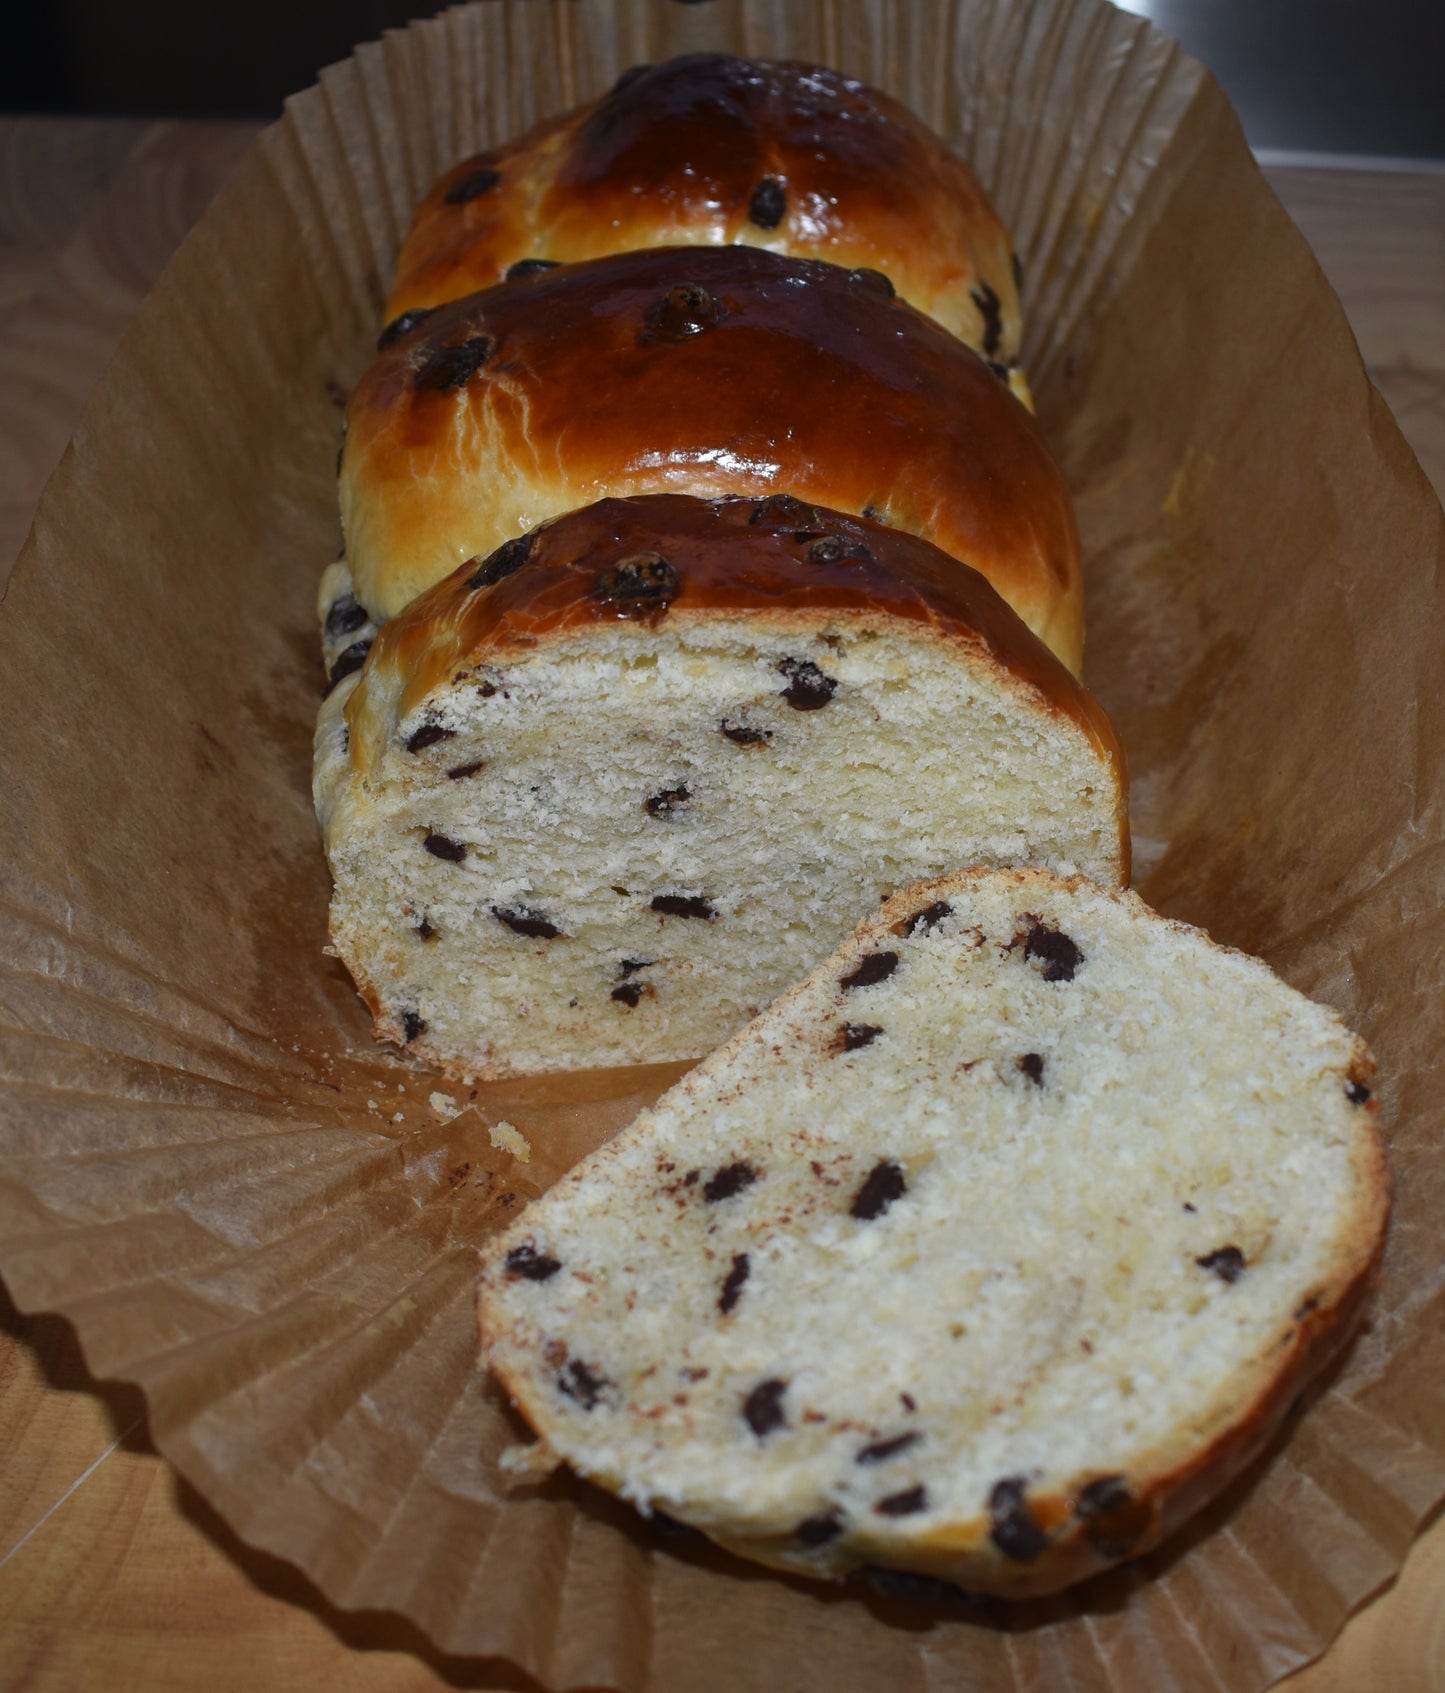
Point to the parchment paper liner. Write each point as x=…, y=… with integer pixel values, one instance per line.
x=195, y=1173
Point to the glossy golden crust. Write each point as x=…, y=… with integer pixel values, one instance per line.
x=702, y=371
x=712, y=149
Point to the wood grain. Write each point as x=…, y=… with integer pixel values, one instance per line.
x=111, y=1569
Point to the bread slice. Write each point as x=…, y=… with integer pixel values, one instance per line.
x=599, y=798
x=990, y=1251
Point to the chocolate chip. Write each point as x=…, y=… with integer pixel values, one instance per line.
x=1191, y=1209
x=1032, y=1066
x=628, y=993
x=876, y=967
x=428, y=736
x=347, y=615
x=442, y=846
x=833, y=549
x=819, y=1530
x=352, y=659
x=525, y=920
x=1053, y=949
x=881, y=1449
x=669, y=800
x=581, y=1382
x=808, y=688
x=1115, y=1521
x=763, y=1407
x=856, y=1035
x=725, y=1182
x=425, y=930
x=1227, y=1262
x=413, y=1024
x=732, y=1288
x=402, y=325
x=929, y=918
x=682, y=311
x=510, y=556
x=1001, y=371
x=744, y=734
x=874, y=514
x=533, y=1266
x=683, y=905
x=908, y=1401
x=1011, y=1523
x=988, y=303
x=785, y=511
x=472, y=187
x=1100, y=1497
x=639, y=586
x=873, y=280
x=459, y=772
x=885, y=1183
x=903, y=1504
x=630, y=966
x=445, y=369
x=1357, y=1093
x=529, y=267
x=769, y=204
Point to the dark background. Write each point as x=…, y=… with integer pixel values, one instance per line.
x=1338, y=76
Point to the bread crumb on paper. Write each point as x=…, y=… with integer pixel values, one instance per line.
x=506, y=1137
x=444, y=1105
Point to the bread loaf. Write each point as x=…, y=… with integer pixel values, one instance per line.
x=990, y=1251
x=595, y=799
x=711, y=149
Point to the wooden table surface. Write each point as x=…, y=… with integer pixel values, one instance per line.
x=113, y=1572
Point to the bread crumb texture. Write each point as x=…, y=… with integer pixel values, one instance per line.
x=990, y=1248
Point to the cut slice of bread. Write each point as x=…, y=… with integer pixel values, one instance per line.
x=991, y=1250
x=597, y=799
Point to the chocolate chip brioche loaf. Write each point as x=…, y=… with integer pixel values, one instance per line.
x=711, y=149
x=596, y=799
x=705, y=371
x=991, y=1250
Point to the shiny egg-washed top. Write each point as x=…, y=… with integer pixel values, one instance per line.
x=667, y=562
x=705, y=371
x=712, y=149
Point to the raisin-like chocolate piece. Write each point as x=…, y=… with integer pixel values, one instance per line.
x=903, y=1504
x=881, y=1449
x=785, y=511
x=1001, y=371
x=833, y=549
x=763, y=1407
x=1059, y=955
x=412, y=1025
x=526, y=920
x=683, y=310
x=873, y=280
x=1114, y=1520
x=808, y=688
x=628, y=993
x=885, y=1184
x=445, y=369
x=471, y=187
x=346, y=616
x=459, y=772
x=743, y=734
x=425, y=930
x=1012, y=1527
x=988, y=303
x=732, y=1288
x=428, y=736
x=1032, y=1065
x=1227, y=1262
x=533, y=1266
x=669, y=800
x=858, y=1035
x=730, y=1179
x=683, y=905
x=581, y=1382
x=529, y=267
x=630, y=966
x=819, y=1530
x=510, y=556
x=929, y=918
x=442, y=846
x=352, y=659
x=876, y=967
x=402, y=325
x=769, y=204
x=1103, y=1496
x=1357, y=1093
x=640, y=586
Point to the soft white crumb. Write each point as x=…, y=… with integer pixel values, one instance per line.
x=506, y=1137
x=444, y=1105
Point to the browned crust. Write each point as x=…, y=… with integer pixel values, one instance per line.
x=708, y=372
x=676, y=152
x=777, y=559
